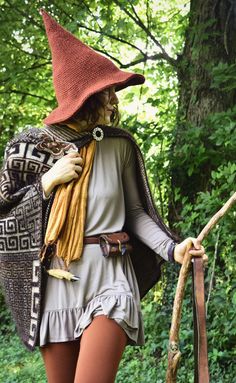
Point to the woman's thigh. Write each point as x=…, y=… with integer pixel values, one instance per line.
x=60, y=361
x=101, y=348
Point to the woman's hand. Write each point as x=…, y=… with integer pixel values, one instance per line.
x=196, y=249
x=64, y=170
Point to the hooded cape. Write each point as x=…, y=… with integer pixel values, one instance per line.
x=24, y=214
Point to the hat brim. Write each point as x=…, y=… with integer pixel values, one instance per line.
x=65, y=111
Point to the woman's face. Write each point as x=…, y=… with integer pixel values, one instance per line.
x=109, y=100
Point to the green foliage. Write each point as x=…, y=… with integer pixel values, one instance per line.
x=219, y=130
x=224, y=76
x=17, y=364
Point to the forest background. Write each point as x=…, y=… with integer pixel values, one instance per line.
x=183, y=117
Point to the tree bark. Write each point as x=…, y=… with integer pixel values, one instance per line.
x=210, y=39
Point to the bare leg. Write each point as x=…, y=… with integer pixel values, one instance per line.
x=101, y=348
x=60, y=361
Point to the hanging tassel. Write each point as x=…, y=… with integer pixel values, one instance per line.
x=47, y=250
x=63, y=274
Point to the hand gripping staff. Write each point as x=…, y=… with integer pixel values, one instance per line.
x=201, y=374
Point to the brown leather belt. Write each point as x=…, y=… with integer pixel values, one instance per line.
x=111, y=244
x=201, y=373
x=116, y=237
x=91, y=240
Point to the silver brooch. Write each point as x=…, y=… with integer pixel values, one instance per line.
x=98, y=134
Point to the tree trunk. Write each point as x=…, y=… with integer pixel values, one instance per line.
x=210, y=40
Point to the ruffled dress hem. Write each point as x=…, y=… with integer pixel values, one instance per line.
x=68, y=324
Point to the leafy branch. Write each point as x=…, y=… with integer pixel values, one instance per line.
x=28, y=17
x=25, y=94
x=33, y=67
x=144, y=58
x=101, y=31
x=140, y=23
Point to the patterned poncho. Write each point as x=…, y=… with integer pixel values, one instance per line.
x=24, y=214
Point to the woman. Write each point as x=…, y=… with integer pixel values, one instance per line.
x=89, y=181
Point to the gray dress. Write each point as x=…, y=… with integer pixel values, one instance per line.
x=107, y=286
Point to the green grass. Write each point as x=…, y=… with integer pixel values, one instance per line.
x=18, y=365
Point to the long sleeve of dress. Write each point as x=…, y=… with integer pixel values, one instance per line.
x=138, y=221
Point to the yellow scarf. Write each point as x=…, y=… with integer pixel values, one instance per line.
x=68, y=213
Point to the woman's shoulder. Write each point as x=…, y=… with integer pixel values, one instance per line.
x=27, y=135
x=122, y=137
x=41, y=140
x=118, y=141
x=121, y=132
x=120, y=144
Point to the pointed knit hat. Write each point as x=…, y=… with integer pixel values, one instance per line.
x=79, y=71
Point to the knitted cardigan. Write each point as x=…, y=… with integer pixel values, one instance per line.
x=24, y=214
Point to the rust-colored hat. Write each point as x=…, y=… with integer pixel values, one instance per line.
x=79, y=71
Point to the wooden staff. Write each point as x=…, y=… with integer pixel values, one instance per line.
x=174, y=352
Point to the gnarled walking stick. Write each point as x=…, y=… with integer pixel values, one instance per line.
x=174, y=353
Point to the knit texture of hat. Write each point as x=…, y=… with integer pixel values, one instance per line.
x=79, y=71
